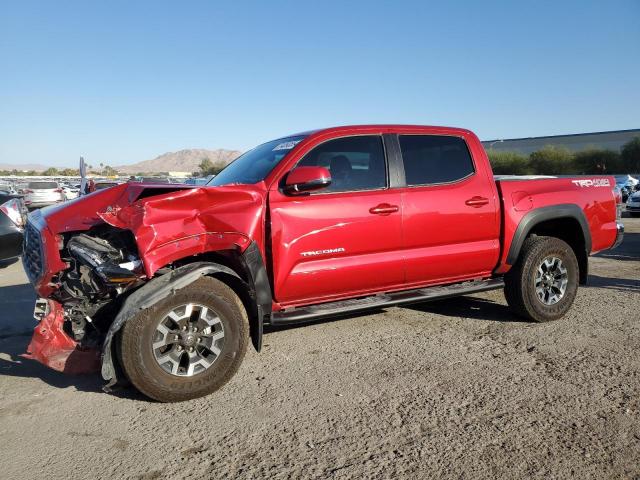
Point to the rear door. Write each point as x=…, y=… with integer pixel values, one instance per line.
x=450, y=221
x=343, y=240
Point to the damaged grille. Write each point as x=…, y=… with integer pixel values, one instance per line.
x=32, y=254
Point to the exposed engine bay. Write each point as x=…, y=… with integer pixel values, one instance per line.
x=102, y=266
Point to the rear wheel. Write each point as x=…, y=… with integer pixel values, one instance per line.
x=543, y=283
x=188, y=345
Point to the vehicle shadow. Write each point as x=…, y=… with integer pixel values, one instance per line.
x=620, y=284
x=8, y=262
x=336, y=318
x=16, y=308
x=13, y=365
x=469, y=307
x=629, y=249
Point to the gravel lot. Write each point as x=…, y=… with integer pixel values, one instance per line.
x=457, y=388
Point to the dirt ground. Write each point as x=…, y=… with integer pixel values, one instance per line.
x=457, y=388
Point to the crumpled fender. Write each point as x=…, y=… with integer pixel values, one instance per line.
x=169, y=222
x=51, y=346
x=189, y=222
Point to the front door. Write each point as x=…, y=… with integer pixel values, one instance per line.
x=344, y=240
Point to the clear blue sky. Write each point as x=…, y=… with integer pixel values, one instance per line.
x=124, y=81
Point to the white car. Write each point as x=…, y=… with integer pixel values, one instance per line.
x=42, y=194
x=633, y=204
x=70, y=192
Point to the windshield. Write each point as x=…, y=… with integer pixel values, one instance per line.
x=256, y=164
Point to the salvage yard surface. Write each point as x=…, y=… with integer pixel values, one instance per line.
x=455, y=388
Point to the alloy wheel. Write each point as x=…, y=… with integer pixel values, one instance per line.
x=188, y=340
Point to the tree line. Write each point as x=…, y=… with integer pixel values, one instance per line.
x=105, y=170
x=207, y=167
x=552, y=160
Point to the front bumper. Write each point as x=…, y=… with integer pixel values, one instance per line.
x=619, y=234
x=51, y=346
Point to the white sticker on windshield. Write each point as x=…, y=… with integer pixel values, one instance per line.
x=286, y=145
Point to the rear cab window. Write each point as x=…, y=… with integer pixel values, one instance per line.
x=435, y=159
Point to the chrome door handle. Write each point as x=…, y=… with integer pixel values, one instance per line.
x=384, y=209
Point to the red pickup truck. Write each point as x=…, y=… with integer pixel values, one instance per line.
x=165, y=285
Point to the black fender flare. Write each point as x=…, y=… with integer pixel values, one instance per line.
x=539, y=215
x=259, y=288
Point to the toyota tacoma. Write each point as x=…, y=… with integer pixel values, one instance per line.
x=164, y=286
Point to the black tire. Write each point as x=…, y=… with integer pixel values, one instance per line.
x=136, y=340
x=520, y=288
x=634, y=214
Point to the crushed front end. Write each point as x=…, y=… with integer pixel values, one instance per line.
x=80, y=278
x=86, y=257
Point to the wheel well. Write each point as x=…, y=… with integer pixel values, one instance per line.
x=227, y=258
x=244, y=286
x=569, y=230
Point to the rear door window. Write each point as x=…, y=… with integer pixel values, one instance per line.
x=434, y=159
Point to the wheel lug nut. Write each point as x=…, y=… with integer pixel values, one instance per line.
x=184, y=327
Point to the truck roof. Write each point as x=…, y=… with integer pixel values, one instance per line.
x=389, y=128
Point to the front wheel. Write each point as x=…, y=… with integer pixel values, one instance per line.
x=543, y=283
x=187, y=345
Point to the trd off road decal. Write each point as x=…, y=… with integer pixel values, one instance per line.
x=592, y=182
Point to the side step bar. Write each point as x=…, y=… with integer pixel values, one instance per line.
x=305, y=314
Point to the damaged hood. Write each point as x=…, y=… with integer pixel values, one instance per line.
x=169, y=222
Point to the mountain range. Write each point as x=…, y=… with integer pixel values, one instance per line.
x=186, y=160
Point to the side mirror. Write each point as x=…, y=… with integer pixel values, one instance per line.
x=305, y=179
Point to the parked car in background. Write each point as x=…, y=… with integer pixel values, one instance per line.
x=13, y=215
x=200, y=181
x=627, y=184
x=103, y=185
x=7, y=188
x=42, y=194
x=155, y=180
x=70, y=192
x=633, y=204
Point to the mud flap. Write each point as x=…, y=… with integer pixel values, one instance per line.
x=51, y=346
